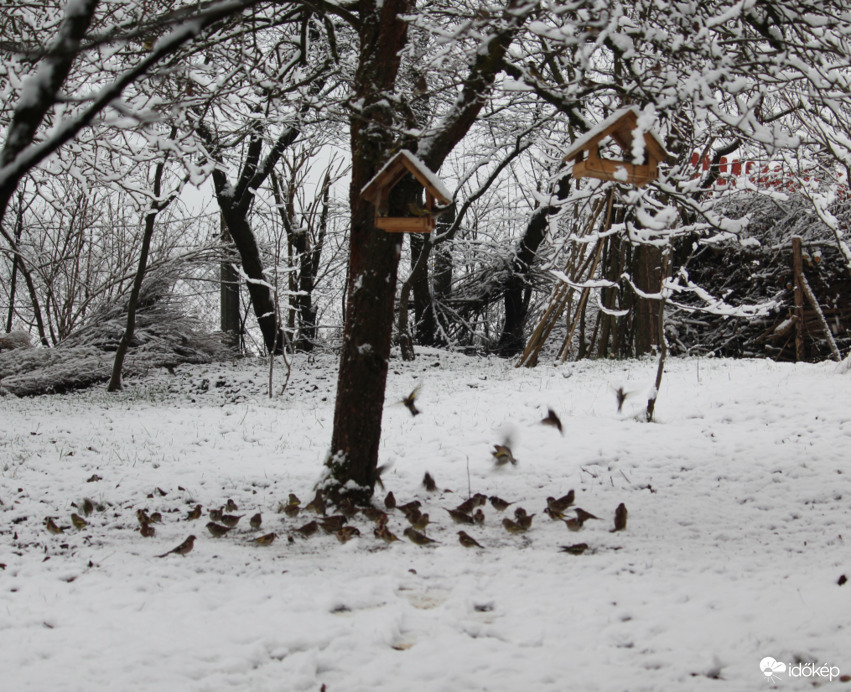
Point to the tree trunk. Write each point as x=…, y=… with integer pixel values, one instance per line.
x=31, y=289
x=257, y=283
x=647, y=263
x=424, y=323
x=373, y=260
x=511, y=340
x=230, y=323
x=235, y=205
x=126, y=339
x=19, y=228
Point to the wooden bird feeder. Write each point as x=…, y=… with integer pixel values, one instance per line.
x=621, y=127
x=377, y=191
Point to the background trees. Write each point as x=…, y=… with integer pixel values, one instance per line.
x=270, y=102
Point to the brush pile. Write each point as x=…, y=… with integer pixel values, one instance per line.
x=165, y=336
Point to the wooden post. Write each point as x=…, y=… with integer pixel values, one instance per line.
x=798, y=269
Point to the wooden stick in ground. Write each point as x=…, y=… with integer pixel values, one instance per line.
x=663, y=343
x=580, y=308
x=808, y=292
x=798, y=269
x=561, y=295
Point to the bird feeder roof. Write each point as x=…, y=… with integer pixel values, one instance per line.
x=620, y=126
x=397, y=166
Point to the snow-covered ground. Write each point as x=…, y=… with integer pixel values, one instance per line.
x=739, y=500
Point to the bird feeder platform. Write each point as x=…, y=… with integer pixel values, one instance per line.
x=621, y=126
x=377, y=191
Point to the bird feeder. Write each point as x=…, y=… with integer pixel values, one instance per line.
x=642, y=163
x=377, y=191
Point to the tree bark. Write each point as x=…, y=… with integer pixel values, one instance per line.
x=150, y=218
x=647, y=268
x=511, y=341
x=19, y=228
x=229, y=319
x=373, y=261
x=235, y=204
x=308, y=256
x=424, y=323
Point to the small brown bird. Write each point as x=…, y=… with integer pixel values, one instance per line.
x=419, y=520
x=390, y=501
x=479, y=516
x=620, y=518
x=230, y=506
x=519, y=513
x=194, y=514
x=333, y=523
x=574, y=524
x=375, y=514
x=293, y=499
x=416, y=537
x=147, y=531
x=499, y=504
x=87, y=506
x=385, y=534
x=554, y=515
x=347, y=533
x=409, y=401
x=525, y=521
x=557, y=506
x=292, y=511
x=347, y=508
x=502, y=455
x=156, y=518
x=409, y=507
x=512, y=526
x=575, y=549
x=553, y=420
x=183, y=548
x=256, y=521
x=582, y=515
x=52, y=527
x=317, y=504
x=460, y=517
x=428, y=482
x=568, y=498
x=379, y=471
x=142, y=516
x=267, y=539
x=78, y=521
x=216, y=514
x=231, y=520
x=470, y=504
x=621, y=396
x=418, y=210
x=217, y=530
x=468, y=541
x=308, y=529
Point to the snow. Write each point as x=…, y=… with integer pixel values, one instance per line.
x=738, y=500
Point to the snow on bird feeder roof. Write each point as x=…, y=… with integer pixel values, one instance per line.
x=377, y=191
x=400, y=163
x=621, y=127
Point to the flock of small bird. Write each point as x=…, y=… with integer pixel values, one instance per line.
x=223, y=520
